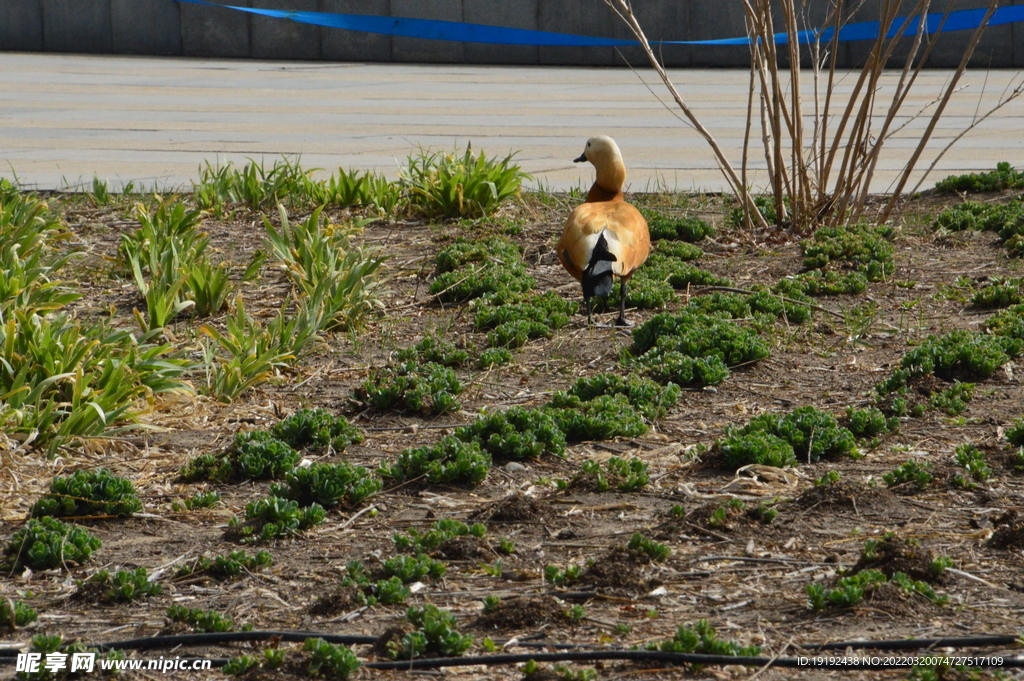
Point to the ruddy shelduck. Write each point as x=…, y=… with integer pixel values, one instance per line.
x=604, y=236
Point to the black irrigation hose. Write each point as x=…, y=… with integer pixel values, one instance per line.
x=865, y=662
x=154, y=642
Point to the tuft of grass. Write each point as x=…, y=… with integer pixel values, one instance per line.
x=452, y=186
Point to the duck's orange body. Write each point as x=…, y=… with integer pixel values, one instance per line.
x=604, y=236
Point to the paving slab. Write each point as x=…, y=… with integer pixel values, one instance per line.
x=156, y=121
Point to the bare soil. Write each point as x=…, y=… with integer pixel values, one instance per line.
x=746, y=577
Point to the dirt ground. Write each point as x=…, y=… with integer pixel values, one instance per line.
x=745, y=577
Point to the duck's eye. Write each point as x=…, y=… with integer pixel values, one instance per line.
x=588, y=144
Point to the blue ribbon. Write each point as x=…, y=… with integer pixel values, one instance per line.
x=458, y=31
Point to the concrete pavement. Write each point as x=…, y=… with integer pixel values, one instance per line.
x=154, y=121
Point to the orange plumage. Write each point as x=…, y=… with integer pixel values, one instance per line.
x=604, y=236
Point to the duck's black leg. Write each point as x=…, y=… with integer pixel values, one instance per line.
x=586, y=301
x=621, y=321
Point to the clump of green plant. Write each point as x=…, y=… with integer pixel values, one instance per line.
x=602, y=418
x=354, y=189
x=678, y=273
x=450, y=461
x=680, y=250
x=273, y=517
x=493, y=357
x=273, y=658
x=463, y=251
x=556, y=576
x=436, y=635
x=620, y=474
x=227, y=566
x=869, y=423
x=548, y=308
x=390, y=591
x=811, y=433
x=640, y=544
x=328, y=484
x=316, y=429
x=515, y=434
x=517, y=333
x=968, y=215
x=88, y=492
x=848, y=592
x=442, y=531
x=534, y=672
x=253, y=185
x=972, y=460
x=254, y=455
x=201, y=621
x=761, y=448
x=648, y=397
x=688, y=229
x=340, y=280
x=702, y=638
x=436, y=350
x=408, y=569
x=910, y=474
x=866, y=249
x=15, y=614
x=413, y=387
x=125, y=585
x=1003, y=177
x=958, y=354
x=954, y=399
x=47, y=543
x=197, y=501
x=999, y=292
x=822, y=283
x=480, y=279
x=1015, y=434
x=851, y=591
x=765, y=206
x=451, y=186
x=690, y=349
x=1008, y=322
x=331, y=661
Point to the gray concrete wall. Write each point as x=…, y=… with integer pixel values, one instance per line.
x=165, y=27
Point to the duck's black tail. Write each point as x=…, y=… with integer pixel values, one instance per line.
x=597, y=278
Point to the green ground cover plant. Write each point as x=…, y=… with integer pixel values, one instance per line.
x=851, y=591
x=16, y=614
x=124, y=586
x=464, y=251
x=650, y=398
x=972, y=460
x=254, y=455
x=435, y=635
x=352, y=188
x=601, y=418
x=667, y=228
x=1003, y=177
x=691, y=349
x=440, y=532
x=911, y=475
x=999, y=292
x=201, y=621
x=436, y=350
x=702, y=638
x=1008, y=322
x=451, y=461
x=955, y=355
x=618, y=474
x=329, y=660
x=226, y=566
x=646, y=546
x=328, y=484
x=426, y=388
x=88, y=492
x=47, y=544
x=806, y=433
x=515, y=434
x=866, y=249
x=316, y=430
x=274, y=517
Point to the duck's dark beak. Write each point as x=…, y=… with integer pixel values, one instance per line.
x=581, y=159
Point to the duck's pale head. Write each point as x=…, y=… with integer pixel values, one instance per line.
x=604, y=154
